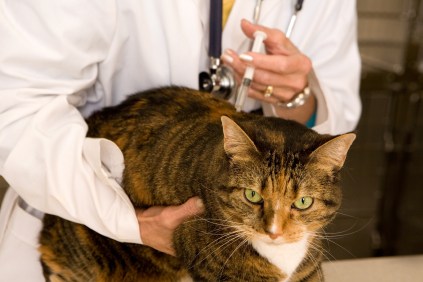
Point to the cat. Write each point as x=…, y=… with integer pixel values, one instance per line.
x=268, y=185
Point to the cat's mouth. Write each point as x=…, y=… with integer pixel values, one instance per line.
x=280, y=239
x=276, y=241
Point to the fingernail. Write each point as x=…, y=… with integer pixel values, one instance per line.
x=229, y=52
x=246, y=21
x=199, y=204
x=227, y=59
x=246, y=58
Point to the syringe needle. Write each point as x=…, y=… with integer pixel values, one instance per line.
x=259, y=37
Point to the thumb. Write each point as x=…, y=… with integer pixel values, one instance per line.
x=190, y=208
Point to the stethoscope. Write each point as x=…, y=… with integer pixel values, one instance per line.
x=220, y=80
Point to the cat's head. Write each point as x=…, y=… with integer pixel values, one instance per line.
x=285, y=191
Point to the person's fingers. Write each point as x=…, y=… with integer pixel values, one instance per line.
x=297, y=63
x=276, y=41
x=152, y=231
x=285, y=86
x=287, y=71
x=287, y=75
x=280, y=94
x=250, y=28
x=280, y=83
x=158, y=223
x=190, y=208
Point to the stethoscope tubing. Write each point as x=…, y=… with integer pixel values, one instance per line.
x=215, y=36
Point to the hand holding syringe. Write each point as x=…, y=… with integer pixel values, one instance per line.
x=259, y=37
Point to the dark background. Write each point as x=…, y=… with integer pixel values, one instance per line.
x=382, y=212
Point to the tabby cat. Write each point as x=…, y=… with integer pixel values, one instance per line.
x=268, y=185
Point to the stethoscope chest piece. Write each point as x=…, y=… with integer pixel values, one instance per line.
x=220, y=82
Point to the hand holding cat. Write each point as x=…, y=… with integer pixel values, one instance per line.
x=158, y=223
x=283, y=67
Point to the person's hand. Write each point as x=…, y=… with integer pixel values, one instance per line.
x=158, y=223
x=283, y=67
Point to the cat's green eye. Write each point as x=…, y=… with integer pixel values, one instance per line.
x=253, y=197
x=303, y=203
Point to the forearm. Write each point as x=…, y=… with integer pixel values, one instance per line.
x=335, y=76
x=56, y=169
x=50, y=53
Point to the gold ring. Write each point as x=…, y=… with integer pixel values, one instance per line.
x=268, y=92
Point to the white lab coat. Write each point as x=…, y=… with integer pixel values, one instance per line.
x=59, y=59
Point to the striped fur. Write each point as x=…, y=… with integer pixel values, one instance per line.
x=177, y=145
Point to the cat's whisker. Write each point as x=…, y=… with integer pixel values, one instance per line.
x=315, y=261
x=346, y=215
x=216, y=221
x=321, y=236
x=243, y=261
x=221, y=229
x=342, y=233
x=321, y=250
x=338, y=245
x=216, y=231
x=223, y=233
x=327, y=255
x=233, y=252
x=220, y=247
x=316, y=246
x=235, y=234
x=229, y=238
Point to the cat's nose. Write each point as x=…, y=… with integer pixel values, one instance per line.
x=274, y=236
x=274, y=231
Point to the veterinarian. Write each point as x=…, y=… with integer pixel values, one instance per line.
x=62, y=60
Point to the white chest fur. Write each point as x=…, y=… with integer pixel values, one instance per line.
x=286, y=257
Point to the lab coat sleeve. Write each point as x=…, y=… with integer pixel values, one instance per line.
x=48, y=58
x=337, y=70
x=326, y=31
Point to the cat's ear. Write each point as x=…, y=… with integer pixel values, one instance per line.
x=332, y=154
x=237, y=144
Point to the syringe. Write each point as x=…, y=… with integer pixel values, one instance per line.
x=259, y=37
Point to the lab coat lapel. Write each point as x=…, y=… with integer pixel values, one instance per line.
x=187, y=39
x=233, y=37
